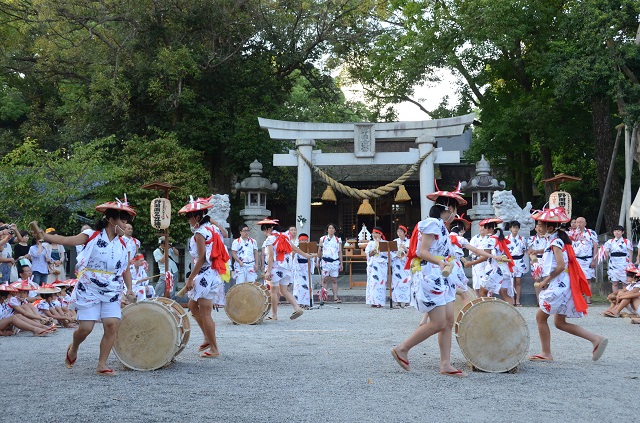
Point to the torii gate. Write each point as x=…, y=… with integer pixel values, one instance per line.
x=364, y=136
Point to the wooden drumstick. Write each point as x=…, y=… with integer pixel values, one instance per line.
x=447, y=270
x=182, y=291
x=33, y=225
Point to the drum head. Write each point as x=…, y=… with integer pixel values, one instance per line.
x=492, y=335
x=247, y=303
x=181, y=317
x=147, y=337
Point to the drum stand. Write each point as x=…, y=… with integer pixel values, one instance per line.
x=388, y=248
x=310, y=248
x=321, y=301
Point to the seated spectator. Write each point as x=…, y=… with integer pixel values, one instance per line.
x=10, y=321
x=629, y=297
x=21, y=306
x=48, y=306
x=64, y=297
x=25, y=274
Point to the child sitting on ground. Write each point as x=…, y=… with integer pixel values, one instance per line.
x=625, y=297
x=10, y=322
x=22, y=306
x=50, y=307
x=64, y=299
x=630, y=279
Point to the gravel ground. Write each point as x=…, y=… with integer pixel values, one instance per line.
x=329, y=365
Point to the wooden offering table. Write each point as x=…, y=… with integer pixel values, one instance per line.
x=353, y=252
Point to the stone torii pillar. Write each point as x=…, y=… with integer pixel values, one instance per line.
x=427, y=174
x=303, y=191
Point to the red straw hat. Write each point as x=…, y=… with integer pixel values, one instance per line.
x=451, y=194
x=196, y=205
x=5, y=287
x=48, y=289
x=630, y=268
x=25, y=285
x=495, y=220
x=268, y=221
x=117, y=205
x=462, y=220
x=71, y=282
x=555, y=215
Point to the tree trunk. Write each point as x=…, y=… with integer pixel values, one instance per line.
x=514, y=175
x=219, y=180
x=525, y=166
x=603, y=139
x=547, y=169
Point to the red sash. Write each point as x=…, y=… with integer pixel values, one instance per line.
x=454, y=240
x=503, y=244
x=579, y=284
x=219, y=256
x=413, y=244
x=282, y=246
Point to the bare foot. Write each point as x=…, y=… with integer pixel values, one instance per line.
x=448, y=368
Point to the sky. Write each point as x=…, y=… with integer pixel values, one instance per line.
x=428, y=95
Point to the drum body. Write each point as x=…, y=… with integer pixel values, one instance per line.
x=248, y=303
x=492, y=335
x=151, y=334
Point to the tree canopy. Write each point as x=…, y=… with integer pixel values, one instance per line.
x=92, y=92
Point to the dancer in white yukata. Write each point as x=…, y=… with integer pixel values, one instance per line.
x=278, y=252
x=301, y=273
x=585, y=245
x=210, y=259
x=563, y=286
x=619, y=250
x=476, y=263
x=400, y=277
x=537, y=245
x=103, y=271
x=432, y=293
x=458, y=227
x=496, y=278
x=245, y=255
x=377, y=270
x=517, y=247
x=330, y=256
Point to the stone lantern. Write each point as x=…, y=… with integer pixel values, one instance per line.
x=481, y=188
x=255, y=188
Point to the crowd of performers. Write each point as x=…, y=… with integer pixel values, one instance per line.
x=427, y=269
x=563, y=260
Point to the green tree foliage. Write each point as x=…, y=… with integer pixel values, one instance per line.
x=62, y=188
x=541, y=74
x=200, y=71
x=155, y=158
x=52, y=187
